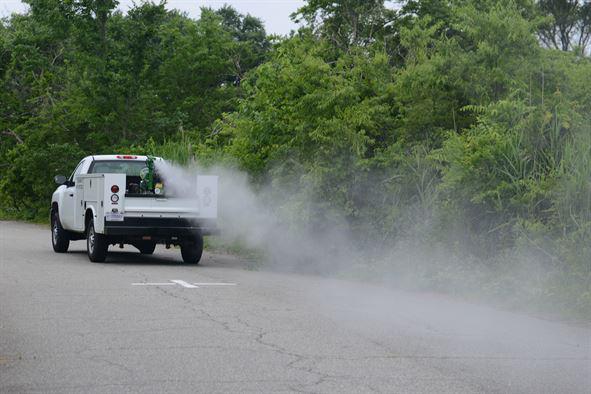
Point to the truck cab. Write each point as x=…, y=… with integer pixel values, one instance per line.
x=129, y=199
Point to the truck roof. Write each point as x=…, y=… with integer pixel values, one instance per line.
x=120, y=157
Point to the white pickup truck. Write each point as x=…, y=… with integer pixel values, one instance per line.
x=122, y=199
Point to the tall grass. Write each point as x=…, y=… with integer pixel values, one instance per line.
x=572, y=197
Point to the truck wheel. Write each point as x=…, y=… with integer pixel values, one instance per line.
x=59, y=237
x=192, y=249
x=96, y=244
x=146, y=247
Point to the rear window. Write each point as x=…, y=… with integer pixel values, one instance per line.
x=128, y=167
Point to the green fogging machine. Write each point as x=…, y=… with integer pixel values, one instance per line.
x=147, y=184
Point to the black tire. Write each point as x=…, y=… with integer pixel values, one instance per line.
x=145, y=247
x=192, y=249
x=96, y=244
x=60, y=240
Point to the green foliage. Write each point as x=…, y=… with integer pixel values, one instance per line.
x=572, y=194
x=31, y=175
x=250, y=41
x=348, y=23
x=311, y=123
x=567, y=26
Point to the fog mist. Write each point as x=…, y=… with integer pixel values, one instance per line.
x=261, y=221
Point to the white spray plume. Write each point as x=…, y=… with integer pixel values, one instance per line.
x=247, y=218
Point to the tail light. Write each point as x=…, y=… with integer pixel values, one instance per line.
x=126, y=157
x=114, y=189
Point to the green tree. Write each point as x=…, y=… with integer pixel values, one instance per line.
x=252, y=44
x=568, y=26
x=348, y=23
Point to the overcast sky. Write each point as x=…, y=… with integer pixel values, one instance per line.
x=275, y=13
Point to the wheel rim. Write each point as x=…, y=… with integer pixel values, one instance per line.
x=91, y=239
x=54, y=232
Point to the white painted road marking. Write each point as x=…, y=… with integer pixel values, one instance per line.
x=182, y=283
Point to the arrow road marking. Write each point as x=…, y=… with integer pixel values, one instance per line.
x=184, y=284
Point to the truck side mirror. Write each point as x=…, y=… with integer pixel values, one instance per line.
x=60, y=179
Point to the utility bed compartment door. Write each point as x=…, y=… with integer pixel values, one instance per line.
x=207, y=192
x=114, y=197
x=93, y=188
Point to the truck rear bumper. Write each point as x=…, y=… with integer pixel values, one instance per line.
x=160, y=227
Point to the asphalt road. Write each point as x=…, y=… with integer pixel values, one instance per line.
x=69, y=325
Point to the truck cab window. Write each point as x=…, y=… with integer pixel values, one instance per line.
x=77, y=170
x=130, y=168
